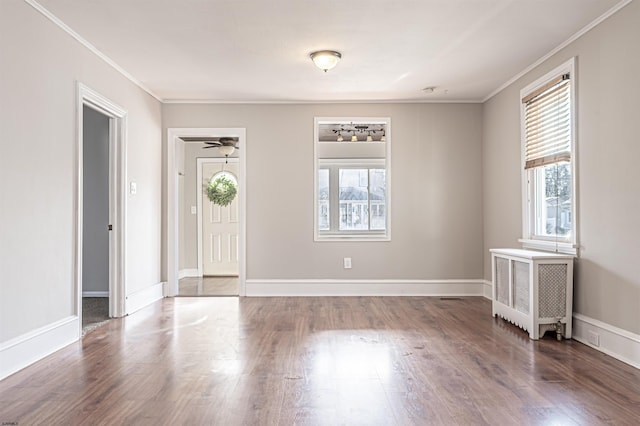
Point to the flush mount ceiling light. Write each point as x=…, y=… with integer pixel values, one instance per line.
x=325, y=59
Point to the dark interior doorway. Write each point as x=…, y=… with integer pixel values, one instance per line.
x=95, y=218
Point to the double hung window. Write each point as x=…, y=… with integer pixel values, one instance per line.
x=357, y=193
x=549, y=162
x=351, y=194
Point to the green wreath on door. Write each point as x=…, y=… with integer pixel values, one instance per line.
x=222, y=190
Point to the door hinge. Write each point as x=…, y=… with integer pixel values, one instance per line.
x=110, y=227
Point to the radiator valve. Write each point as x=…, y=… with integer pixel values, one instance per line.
x=559, y=330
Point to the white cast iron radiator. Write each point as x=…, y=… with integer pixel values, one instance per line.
x=533, y=290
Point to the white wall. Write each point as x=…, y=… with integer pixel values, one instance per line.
x=41, y=66
x=436, y=201
x=607, y=283
x=95, y=200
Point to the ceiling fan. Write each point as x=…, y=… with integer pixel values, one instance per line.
x=225, y=144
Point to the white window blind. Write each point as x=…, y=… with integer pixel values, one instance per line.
x=548, y=123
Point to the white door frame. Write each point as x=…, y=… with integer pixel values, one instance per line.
x=199, y=163
x=171, y=202
x=117, y=196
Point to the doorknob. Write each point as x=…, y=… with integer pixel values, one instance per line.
x=110, y=227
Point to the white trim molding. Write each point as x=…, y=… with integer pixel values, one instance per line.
x=64, y=27
x=558, y=48
x=487, y=289
x=143, y=298
x=613, y=341
x=319, y=287
x=117, y=115
x=24, y=350
x=550, y=246
x=320, y=101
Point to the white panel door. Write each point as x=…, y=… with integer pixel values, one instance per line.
x=219, y=227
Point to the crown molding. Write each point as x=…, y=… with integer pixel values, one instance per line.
x=319, y=102
x=64, y=27
x=558, y=48
x=46, y=13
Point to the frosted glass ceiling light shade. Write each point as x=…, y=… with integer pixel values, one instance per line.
x=325, y=59
x=226, y=150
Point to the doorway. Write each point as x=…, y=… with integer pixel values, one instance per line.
x=174, y=212
x=217, y=236
x=100, y=201
x=95, y=214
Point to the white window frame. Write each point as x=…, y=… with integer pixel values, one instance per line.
x=529, y=240
x=334, y=166
x=319, y=163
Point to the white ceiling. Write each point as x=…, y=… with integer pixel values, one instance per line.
x=258, y=50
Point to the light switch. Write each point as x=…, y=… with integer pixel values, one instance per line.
x=133, y=188
x=194, y=210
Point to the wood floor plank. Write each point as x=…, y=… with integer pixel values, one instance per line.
x=321, y=361
x=208, y=286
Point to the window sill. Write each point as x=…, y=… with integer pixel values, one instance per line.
x=355, y=238
x=551, y=246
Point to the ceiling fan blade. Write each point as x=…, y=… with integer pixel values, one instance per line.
x=199, y=138
x=216, y=146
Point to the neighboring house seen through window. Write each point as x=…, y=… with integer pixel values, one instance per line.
x=351, y=197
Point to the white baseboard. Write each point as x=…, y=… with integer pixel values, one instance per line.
x=487, y=289
x=141, y=298
x=22, y=351
x=271, y=287
x=188, y=273
x=95, y=294
x=613, y=341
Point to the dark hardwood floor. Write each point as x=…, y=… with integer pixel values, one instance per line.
x=208, y=286
x=321, y=361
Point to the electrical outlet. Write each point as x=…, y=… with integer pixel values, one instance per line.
x=194, y=210
x=593, y=338
x=347, y=263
